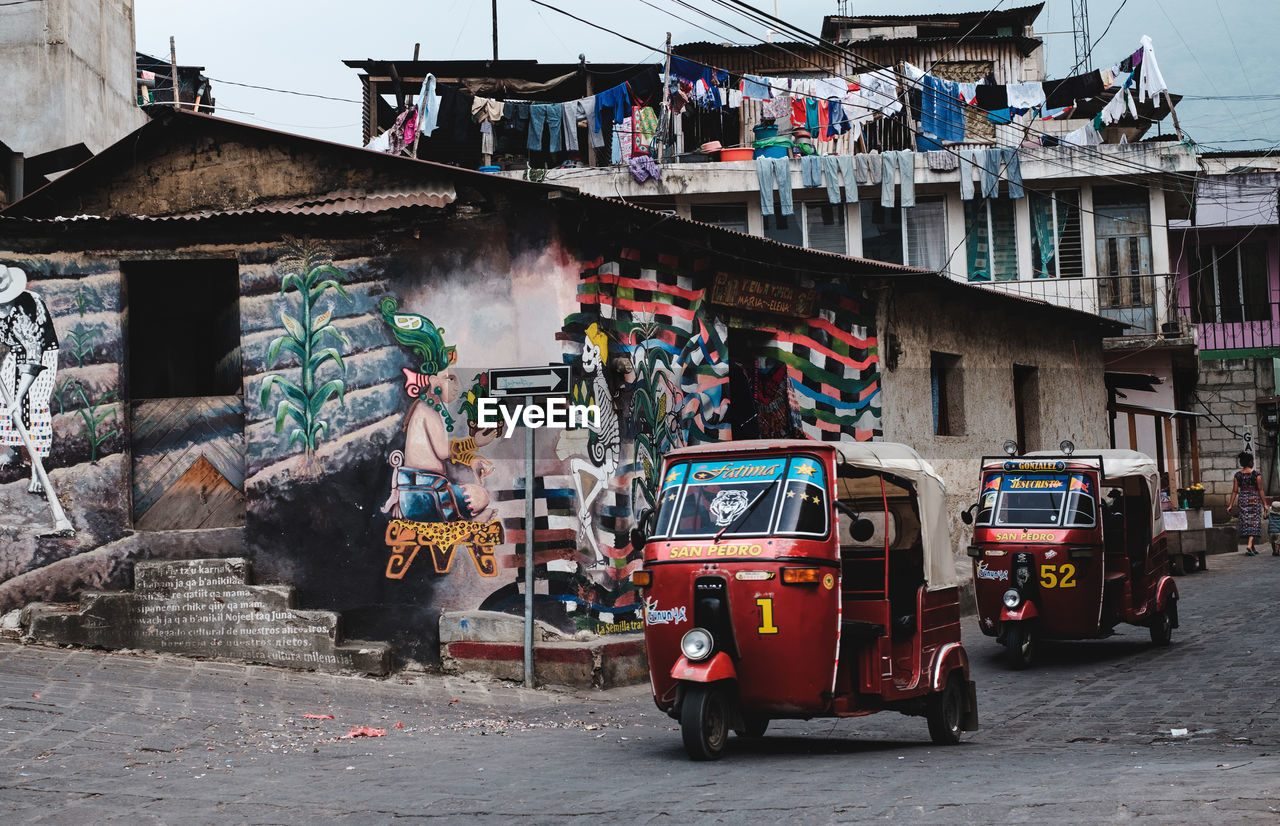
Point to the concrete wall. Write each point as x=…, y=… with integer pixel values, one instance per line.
x=1228, y=390
x=67, y=74
x=990, y=339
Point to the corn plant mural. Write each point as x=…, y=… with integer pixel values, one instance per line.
x=94, y=416
x=307, y=268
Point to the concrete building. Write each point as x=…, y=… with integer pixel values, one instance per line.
x=253, y=342
x=1227, y=260
x=67, y=77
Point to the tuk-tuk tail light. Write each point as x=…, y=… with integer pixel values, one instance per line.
x=801, y=576
x=975, y=551
x=642, y=579
x=1080, y=553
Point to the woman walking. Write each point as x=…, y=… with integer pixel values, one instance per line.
x=1246, y=489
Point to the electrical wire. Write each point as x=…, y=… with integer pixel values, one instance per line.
x=284, y=91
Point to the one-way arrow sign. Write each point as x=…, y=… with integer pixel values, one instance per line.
x=548, y=380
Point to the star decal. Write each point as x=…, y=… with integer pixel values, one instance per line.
x=806, y=469
x=791, y=494
x=671, y=497
x=673, y=475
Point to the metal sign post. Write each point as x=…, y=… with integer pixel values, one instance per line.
x=528, y=553
x=528, y=383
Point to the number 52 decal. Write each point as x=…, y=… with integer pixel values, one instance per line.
x=1058, y=576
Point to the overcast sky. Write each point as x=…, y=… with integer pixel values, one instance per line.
x=1206, y=48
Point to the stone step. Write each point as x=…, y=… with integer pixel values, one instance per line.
x=207, y=608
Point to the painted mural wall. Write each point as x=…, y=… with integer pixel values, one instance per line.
x=60, y=337
x=381, y=494
x=369, y=483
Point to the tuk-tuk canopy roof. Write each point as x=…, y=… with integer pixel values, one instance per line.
x=1116, y=463
x=886, y=457
x=1120, y=464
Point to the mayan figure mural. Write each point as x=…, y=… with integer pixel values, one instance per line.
x=437, y=499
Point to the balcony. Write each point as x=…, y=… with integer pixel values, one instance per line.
x=1235, y=331
x=1144, y=302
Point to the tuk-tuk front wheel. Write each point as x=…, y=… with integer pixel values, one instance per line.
x=704, y=721
x=945, y=713
x=1020, y=644
x=1162, y=623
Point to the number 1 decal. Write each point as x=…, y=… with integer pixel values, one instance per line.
x=766, y=615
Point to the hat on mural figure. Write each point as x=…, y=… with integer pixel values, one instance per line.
x=13, y=281
x=1275, y=507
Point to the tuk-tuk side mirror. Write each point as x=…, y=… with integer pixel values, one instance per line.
x=640, y=533
x=966, y=515
x=862, y=529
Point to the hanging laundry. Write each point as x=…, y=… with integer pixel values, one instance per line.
x=810, y=171
x=454, y=123
x=646, y=87
x=993, y=97
x=1084, y=136
x=1150, y=81
x=880, y=88
x=968, y=158
x=867, y=168
x=968, y=93
x=1056, y=114
x=705, y=80
x=430, y=103
x=903, y=162
x=1025, y=95
x=941, y=161
x=830, y=87
x=756, y=88
x=769, y=171
x=642, y=168
x=396, y=141
x=778, y=106
x=812, y=119
x=616, y=101
x=798, y=112
x=838, y=122
x=1011, y=170
x=988, y=172
x=548, y=116
x=1000, y=115
x=941, y=114
x=583, y=109
x=645, y=122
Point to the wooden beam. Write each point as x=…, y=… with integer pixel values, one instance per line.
x=1133, y=431
x=1175, y=475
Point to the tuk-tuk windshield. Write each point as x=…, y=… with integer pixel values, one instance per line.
x=1038, y=499
x=744, y=497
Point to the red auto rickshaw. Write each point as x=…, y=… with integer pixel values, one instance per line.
x=1066, y=546
x=798, y=579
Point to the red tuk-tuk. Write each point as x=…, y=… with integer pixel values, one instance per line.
x=800, y=579
x=1067, y=546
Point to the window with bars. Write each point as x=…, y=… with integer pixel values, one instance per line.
x=816, y=225
x=916, y=236
x=1231, y=283
x=991, y=239
x=1055, y=234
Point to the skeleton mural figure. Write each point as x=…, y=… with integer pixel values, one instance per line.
x=30, y=364
x=603, y=442
x=421, y=487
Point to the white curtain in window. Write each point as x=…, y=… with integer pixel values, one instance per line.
x=925, y=227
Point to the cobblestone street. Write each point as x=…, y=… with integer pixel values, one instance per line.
x=1084, y=737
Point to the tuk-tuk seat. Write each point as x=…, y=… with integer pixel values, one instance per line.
x=859, y=629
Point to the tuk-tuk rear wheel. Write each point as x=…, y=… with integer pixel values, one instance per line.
x=1019, y=639
x=1161, y=627
x=704, y=721
x=945, y=713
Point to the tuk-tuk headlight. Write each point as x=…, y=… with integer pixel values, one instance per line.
x=696, y=644
x=1012, y=599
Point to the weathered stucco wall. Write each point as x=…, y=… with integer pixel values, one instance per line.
x=67, y=74
x=990, y=338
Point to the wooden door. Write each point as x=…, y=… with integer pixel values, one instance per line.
x=1125, y=290
x=188, y=463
